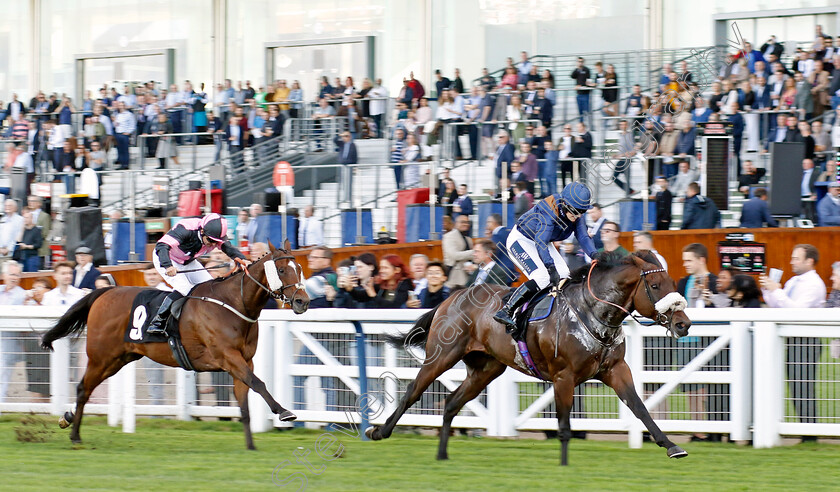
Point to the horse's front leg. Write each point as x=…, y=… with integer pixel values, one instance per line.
x=619, y=378
x=564, y=394
x=234, y=363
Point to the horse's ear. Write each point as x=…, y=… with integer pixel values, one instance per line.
x=639, y=262
x=271, y=247
x=287, y=245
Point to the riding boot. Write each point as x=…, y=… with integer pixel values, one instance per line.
x=158, y=324
x=520, y=296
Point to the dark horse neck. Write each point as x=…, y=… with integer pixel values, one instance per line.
x=601, y=318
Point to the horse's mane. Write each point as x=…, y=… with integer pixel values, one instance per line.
x=579, y=275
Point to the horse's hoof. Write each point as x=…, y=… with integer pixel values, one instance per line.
x=442, y=457
x=676, y=452
x=65, y=420
x=373, y=433
x=286, y=416
x=251, y=448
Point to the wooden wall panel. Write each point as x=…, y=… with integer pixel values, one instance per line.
x=779, y=241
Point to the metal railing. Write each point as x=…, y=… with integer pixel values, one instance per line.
x=752, y=374
x=249, y=169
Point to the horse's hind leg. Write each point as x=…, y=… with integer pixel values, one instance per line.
x=481, y=370
x=428, y=373
x=620, y=380
x=235, y=365
x=96, y=372
x=240, y=390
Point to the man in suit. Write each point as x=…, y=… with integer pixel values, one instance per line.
x=755, y=212
x=274, y=124
x=771, y=47
x=804, y=100
x=42, y=220
x=499, y=234
x=807, y=189
x=85, y=274
x=828, y=209
x=311, y=230
x=835, y=83
x=596, y=215
x=486, y=270
x=523, y=200
x=664, y=199
x=346, y=155
x=504, y=155
x=762, y=94
x=463, y=205
x=15, y=110
x=581, y=147
x=778, y=133
x=457, y=251
x=236, y=139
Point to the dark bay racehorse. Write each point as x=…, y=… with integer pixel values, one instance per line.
x=214, y=337
x=581, y=339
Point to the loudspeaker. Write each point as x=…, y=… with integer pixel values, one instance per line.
x=270, y=201
x=786, y=178
x=83, y=227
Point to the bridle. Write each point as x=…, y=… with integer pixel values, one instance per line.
x=660, y=317
x=275, y=292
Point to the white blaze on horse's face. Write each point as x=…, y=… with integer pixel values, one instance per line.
x=301, y=279
x=273, y=276
x=671, y=301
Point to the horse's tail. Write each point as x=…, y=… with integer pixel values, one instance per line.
x=73, y=321
x=416, y=336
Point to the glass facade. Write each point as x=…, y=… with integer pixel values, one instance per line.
x=73, y=27
x=15, y=50
x=41, y=39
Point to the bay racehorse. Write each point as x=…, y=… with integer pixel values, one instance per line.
x=582, y=339
x=214, y=336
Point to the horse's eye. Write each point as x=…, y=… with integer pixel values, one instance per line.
x=654, y=286
x=280, y=271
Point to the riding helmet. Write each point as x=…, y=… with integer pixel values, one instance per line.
x=214, y=227
x=577, y=195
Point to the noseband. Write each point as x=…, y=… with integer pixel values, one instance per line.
x=274, y=290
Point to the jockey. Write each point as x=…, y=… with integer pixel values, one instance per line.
x=530, y=245
x=177, y=250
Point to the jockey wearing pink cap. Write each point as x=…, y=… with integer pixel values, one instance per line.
x=177, y=250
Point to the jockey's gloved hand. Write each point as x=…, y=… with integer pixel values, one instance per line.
x=597, y=256
x=553, y=276
x=241, y=263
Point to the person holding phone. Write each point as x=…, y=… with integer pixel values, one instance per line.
x=693, y=286
x=804, y=290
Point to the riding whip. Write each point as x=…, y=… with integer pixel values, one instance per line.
x=223, y=265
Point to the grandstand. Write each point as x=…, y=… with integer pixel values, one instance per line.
x=709, y=136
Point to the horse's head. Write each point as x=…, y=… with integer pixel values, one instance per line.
x=657, y=298
x=284, y=277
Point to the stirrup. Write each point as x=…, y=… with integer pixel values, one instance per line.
x=156, y=327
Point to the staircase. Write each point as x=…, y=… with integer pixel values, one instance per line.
x=299, y=146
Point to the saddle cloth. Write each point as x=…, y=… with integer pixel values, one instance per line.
x=143, y=310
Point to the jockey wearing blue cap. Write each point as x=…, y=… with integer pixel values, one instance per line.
x=530, y=244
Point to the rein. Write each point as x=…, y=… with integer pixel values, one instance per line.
x=661, y=319
x=278, y=293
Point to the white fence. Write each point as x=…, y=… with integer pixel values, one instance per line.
x=750, y=373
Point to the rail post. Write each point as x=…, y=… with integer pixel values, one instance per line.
x=768, y=385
